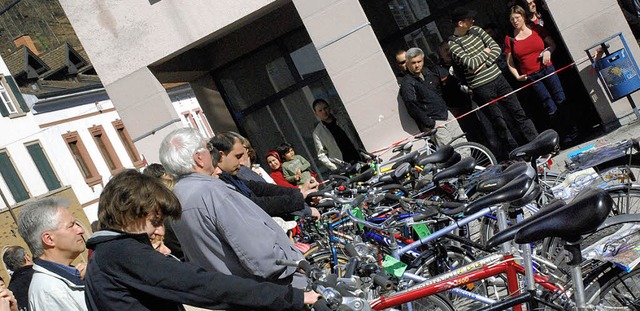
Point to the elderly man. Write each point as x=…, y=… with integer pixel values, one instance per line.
x=55, y=240
x=220, y=229
x=17, y=260
x=273, y=199
x=420, y=91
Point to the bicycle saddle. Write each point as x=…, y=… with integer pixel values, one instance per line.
x=465, y=166
x=493, y=183
x=440, y=156
x=545, y=143
x=515, y=189
x=583, y=215
x=430, y=132
x=410, y=158
x=509, y=233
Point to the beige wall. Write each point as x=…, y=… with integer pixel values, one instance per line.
x=358, y=69
x=594, y=21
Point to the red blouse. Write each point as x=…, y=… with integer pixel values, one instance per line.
x=526, y=52
x=278, y=178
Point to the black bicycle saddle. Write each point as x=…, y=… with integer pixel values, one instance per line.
x=582, y=215
x=545, y=143
x=465, y=166
x=514, y=190
x=440, y=156
x=493, y=183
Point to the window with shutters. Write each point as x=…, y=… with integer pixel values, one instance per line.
x=12, y=178
x=128, y=144
x=43, y=164
x=12, y=102
x=82, y=158
x=106, y=148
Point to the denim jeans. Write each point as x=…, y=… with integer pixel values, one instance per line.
x=510, y=105
x=549, y=91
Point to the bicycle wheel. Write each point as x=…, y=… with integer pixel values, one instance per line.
x=431, y=303
x=626, y=199
x=324, y=261
x=483, y=156
x=615, y=289
x=448, y=259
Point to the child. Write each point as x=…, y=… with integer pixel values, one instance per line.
x=294, y=167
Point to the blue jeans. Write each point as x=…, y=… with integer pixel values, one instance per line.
x=549, y=91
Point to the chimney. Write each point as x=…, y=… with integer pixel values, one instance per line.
x=26, y=41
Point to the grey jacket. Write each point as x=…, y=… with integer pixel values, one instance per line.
x=221, y=230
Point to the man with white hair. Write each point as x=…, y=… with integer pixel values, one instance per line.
x=55, y=240
x=220, y=229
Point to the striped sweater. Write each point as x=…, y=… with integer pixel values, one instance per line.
x=472, y=56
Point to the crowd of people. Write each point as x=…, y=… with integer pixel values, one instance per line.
x=206, y=226
x=477, y=67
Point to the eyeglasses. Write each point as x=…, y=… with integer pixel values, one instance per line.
x=402, y=62
x=210, y=147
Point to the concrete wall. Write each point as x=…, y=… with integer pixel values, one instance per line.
x=358, y=69
x=584, y=23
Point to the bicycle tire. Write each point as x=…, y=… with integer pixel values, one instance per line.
x=431, y=303
x=614, y=289
x=483, y=156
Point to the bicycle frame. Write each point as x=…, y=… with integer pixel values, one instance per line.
x=482, y=269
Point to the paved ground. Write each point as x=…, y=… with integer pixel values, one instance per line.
x=629, y=130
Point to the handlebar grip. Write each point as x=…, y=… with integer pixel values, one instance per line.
x=305, y=266
x=326, y=203
x=452, y=204
x=383, y=281
x=351, y=250
x=321, y=305
x=366, y=175
x=358, y=200
x=395, y=187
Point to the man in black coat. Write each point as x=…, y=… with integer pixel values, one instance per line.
x=631, y=12
x=17, y=260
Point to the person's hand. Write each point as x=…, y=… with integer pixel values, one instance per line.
x=82, y=267
x=522, y=78
x=546, y=57
x=315, y=213
x=488, y=50
x=8, y=301
x=298, y=175
x=480, y=68
x=309, y=186
x=311, y=297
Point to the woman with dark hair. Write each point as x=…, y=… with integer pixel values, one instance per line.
x=529, y=59
x=274, y=162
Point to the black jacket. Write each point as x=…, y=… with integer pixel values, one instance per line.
x=126, y=273
x=629, y=11
x=423, y=99
x=19, y=285
x=275, y=200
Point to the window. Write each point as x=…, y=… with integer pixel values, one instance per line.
x=7, y=102
x=189, y=117
x=203, y=123
x=12, y=178
x=106, y=148
x=44, y=166
x=82, y=158
x=11, y=99
x=132, y=151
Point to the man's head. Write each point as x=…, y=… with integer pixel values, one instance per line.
x=415, y=61
x=401, y=60
x=15, y=257
x=136, y=203
x=231, y=149
x=322, y=110
x=51, y=231
x=462, y=18
x=185, y=151
x=443, y=52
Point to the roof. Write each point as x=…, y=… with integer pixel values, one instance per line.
x=23, y=61
x=62, y=57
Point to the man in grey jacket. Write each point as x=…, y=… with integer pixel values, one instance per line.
x=220, y=229
x=332, y=138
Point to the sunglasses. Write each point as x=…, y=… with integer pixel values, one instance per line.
x=402, y=62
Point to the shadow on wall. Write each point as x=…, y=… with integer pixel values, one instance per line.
x=408, y=124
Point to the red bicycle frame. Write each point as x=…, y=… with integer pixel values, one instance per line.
x=479, y=270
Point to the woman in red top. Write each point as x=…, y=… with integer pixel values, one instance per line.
x=273, y=159
x=529, y=59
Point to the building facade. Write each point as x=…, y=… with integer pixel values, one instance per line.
x=256, y=66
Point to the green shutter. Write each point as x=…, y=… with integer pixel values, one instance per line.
x=3, y=110
x=12, y=179
x=44, y=167
x=16, y=93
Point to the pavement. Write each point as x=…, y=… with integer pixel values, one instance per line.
x=629, y=130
